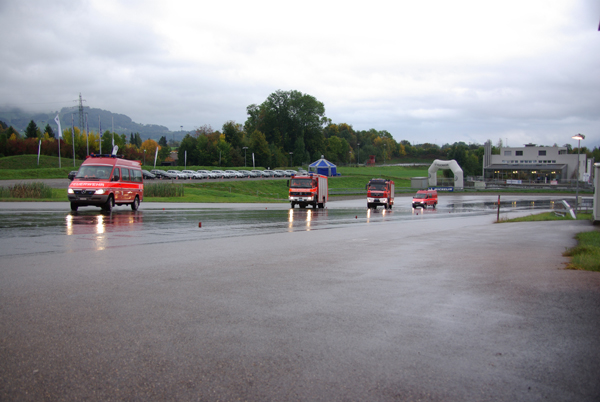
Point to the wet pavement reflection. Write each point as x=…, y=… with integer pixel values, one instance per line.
x=25, y=232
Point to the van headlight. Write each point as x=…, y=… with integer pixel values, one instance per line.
x=100, y=191
x=70, y=191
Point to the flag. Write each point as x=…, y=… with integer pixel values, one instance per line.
x=57, y=120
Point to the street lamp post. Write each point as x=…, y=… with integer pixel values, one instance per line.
x=577, y=137
x=358, y=159
x=291, y=153
x=244, y=148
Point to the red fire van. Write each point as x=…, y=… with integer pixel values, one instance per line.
x=105, y=181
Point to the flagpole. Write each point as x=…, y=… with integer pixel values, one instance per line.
x=57, y=120
x=73, y=137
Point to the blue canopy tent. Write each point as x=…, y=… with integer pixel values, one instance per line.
x=324, y=167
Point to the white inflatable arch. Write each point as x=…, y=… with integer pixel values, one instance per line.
x=438, y=164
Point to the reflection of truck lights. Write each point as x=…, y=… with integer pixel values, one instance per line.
x=291, y=216
x=100, y=227
x=69, y=225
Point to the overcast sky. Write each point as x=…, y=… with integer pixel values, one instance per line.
x=426, y=71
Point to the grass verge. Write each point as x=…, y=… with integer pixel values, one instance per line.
x=585, y=255
x=546, y=216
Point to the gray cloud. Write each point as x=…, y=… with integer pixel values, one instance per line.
x=525, y=72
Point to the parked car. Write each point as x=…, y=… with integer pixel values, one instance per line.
x=208, y=174
x=291, y=172
x=203, y=174
x=220, y=174
x=258, y=173
x=180, y=175
x=147, y=175
x=235, y=173
x=191, y=174
x=161, y=174
x=268, y=173
x=72, y=174
x=279, y=173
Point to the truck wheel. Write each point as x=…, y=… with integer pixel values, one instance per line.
x=434, y=205
x=390, y=206
x=293, y=205
x=424, y=206
x=110, y=203
x=74, y=207
x=135, y=204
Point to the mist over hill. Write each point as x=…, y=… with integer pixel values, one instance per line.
x=96, y=118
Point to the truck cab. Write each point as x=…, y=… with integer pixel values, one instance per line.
x=380, y=192
x=425, y=198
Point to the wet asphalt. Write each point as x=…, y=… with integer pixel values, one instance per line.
x=341, y=306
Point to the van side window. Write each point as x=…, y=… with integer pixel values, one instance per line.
x=137, y=175
x=116, y=174
x=124, y=174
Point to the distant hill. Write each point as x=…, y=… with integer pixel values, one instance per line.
x=19, y=119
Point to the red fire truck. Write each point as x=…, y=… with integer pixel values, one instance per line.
x=308, y=189
x=380, y=192
x=105, y=181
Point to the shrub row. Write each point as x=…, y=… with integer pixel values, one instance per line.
x=163, y=190
x=26, y=190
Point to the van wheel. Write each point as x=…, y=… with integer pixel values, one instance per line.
x=424, y=206
x=110, y=203
x=434, y=206
x=135, y=204
x=74, y=207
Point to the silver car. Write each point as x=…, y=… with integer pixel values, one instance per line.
x=179, y=174
x=235, y=173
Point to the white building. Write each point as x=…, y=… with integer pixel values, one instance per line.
x=531, y=163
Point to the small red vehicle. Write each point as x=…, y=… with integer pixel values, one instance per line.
x=425, y=198
x=105, y=181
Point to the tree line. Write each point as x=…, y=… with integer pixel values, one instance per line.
x=288, y=129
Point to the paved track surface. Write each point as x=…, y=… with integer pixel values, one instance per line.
x=454, y=309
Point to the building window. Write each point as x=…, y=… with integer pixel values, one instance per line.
x=542, y=153
x=518, y=153
x=507, y=153
x=562, y=152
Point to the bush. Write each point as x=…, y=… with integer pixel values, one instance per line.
x=163, y=190
x=26, y=190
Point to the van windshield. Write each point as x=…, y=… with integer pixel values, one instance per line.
x=94, y=172
x=420, y=196
x=301, y=183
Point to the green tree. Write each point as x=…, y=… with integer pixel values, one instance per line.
x=135, y=139
x=260, y=148
x=49, y=131
x=189, y=144
x=32, y=130
x=233, y=133
x=287, y=115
